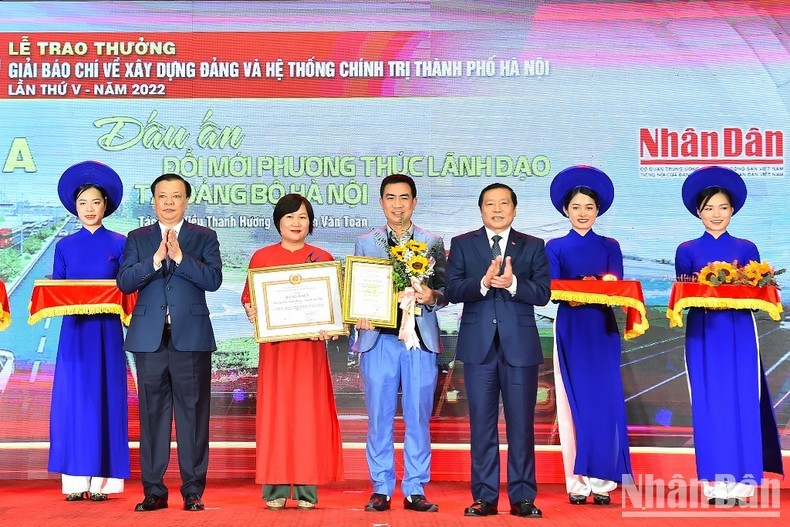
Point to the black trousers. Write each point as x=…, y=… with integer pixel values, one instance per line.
x=173, y=382
x=518, y=387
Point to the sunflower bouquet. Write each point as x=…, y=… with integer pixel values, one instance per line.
x=412, y=265
x=410, y=260
x=759, y=274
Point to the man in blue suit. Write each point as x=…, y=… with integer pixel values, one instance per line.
x=500, y=275
x=171, y=264
x=387, y=364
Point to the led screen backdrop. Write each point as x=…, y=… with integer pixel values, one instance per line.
x=252, y=100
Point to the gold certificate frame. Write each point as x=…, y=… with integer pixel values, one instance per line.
x=297, y=301
x=369, y=292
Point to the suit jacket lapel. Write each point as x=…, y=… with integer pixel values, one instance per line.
x=155, y=235
x=515, y=243
x=379, y=237
x=421, y=236
x=481, y=242
x=185, y=234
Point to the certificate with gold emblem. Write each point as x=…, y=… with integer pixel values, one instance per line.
x=368, y=291
x=297, y=301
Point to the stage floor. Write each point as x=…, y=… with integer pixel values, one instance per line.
x=237, y=503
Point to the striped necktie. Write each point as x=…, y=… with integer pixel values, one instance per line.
x=495, y=250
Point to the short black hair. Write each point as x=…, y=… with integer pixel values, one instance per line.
x=85, y=186
x=171, y=177
x=704, y=196
x=291, y=203
x=494, y=186
x=398, y=178
x=587, y=191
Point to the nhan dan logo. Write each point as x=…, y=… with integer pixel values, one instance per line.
x=755, y=152
x=679, y=497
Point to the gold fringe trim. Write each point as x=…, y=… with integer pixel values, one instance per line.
x=608, y=300
x=675, y=315
x=637, y=329
x=5, y=319
x=87, y=309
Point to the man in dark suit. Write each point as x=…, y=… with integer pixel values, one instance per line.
x=500, y=275
x=171, y=264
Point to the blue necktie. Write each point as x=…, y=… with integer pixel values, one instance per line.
x=495, y=250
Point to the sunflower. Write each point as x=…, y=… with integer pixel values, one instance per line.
x=761, y=273
x=725, y=272
x=397, y=252
x=707, y=276
x=416, y=247
x=760, y=268
x=418, y=265
x=755, y=271
x=718, y=273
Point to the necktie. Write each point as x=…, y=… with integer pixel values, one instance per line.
x=167, y=255
x=168, y=260
x=495, y=250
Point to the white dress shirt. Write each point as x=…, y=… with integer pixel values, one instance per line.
x=504, y=235
x=163, y=229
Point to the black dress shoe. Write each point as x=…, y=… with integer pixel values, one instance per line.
x=419, y=503
x=577, y=499
x=601, y=499
x=151, y=503
x=98, y=496
x=378, y=503
x=481, y=508
x=77, y=496
x=724, y=502
x=193, y=502
x=525, y=509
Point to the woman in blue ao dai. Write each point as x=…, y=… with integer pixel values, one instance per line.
x=89, y=441
x=590, y=403
x=735, y=434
